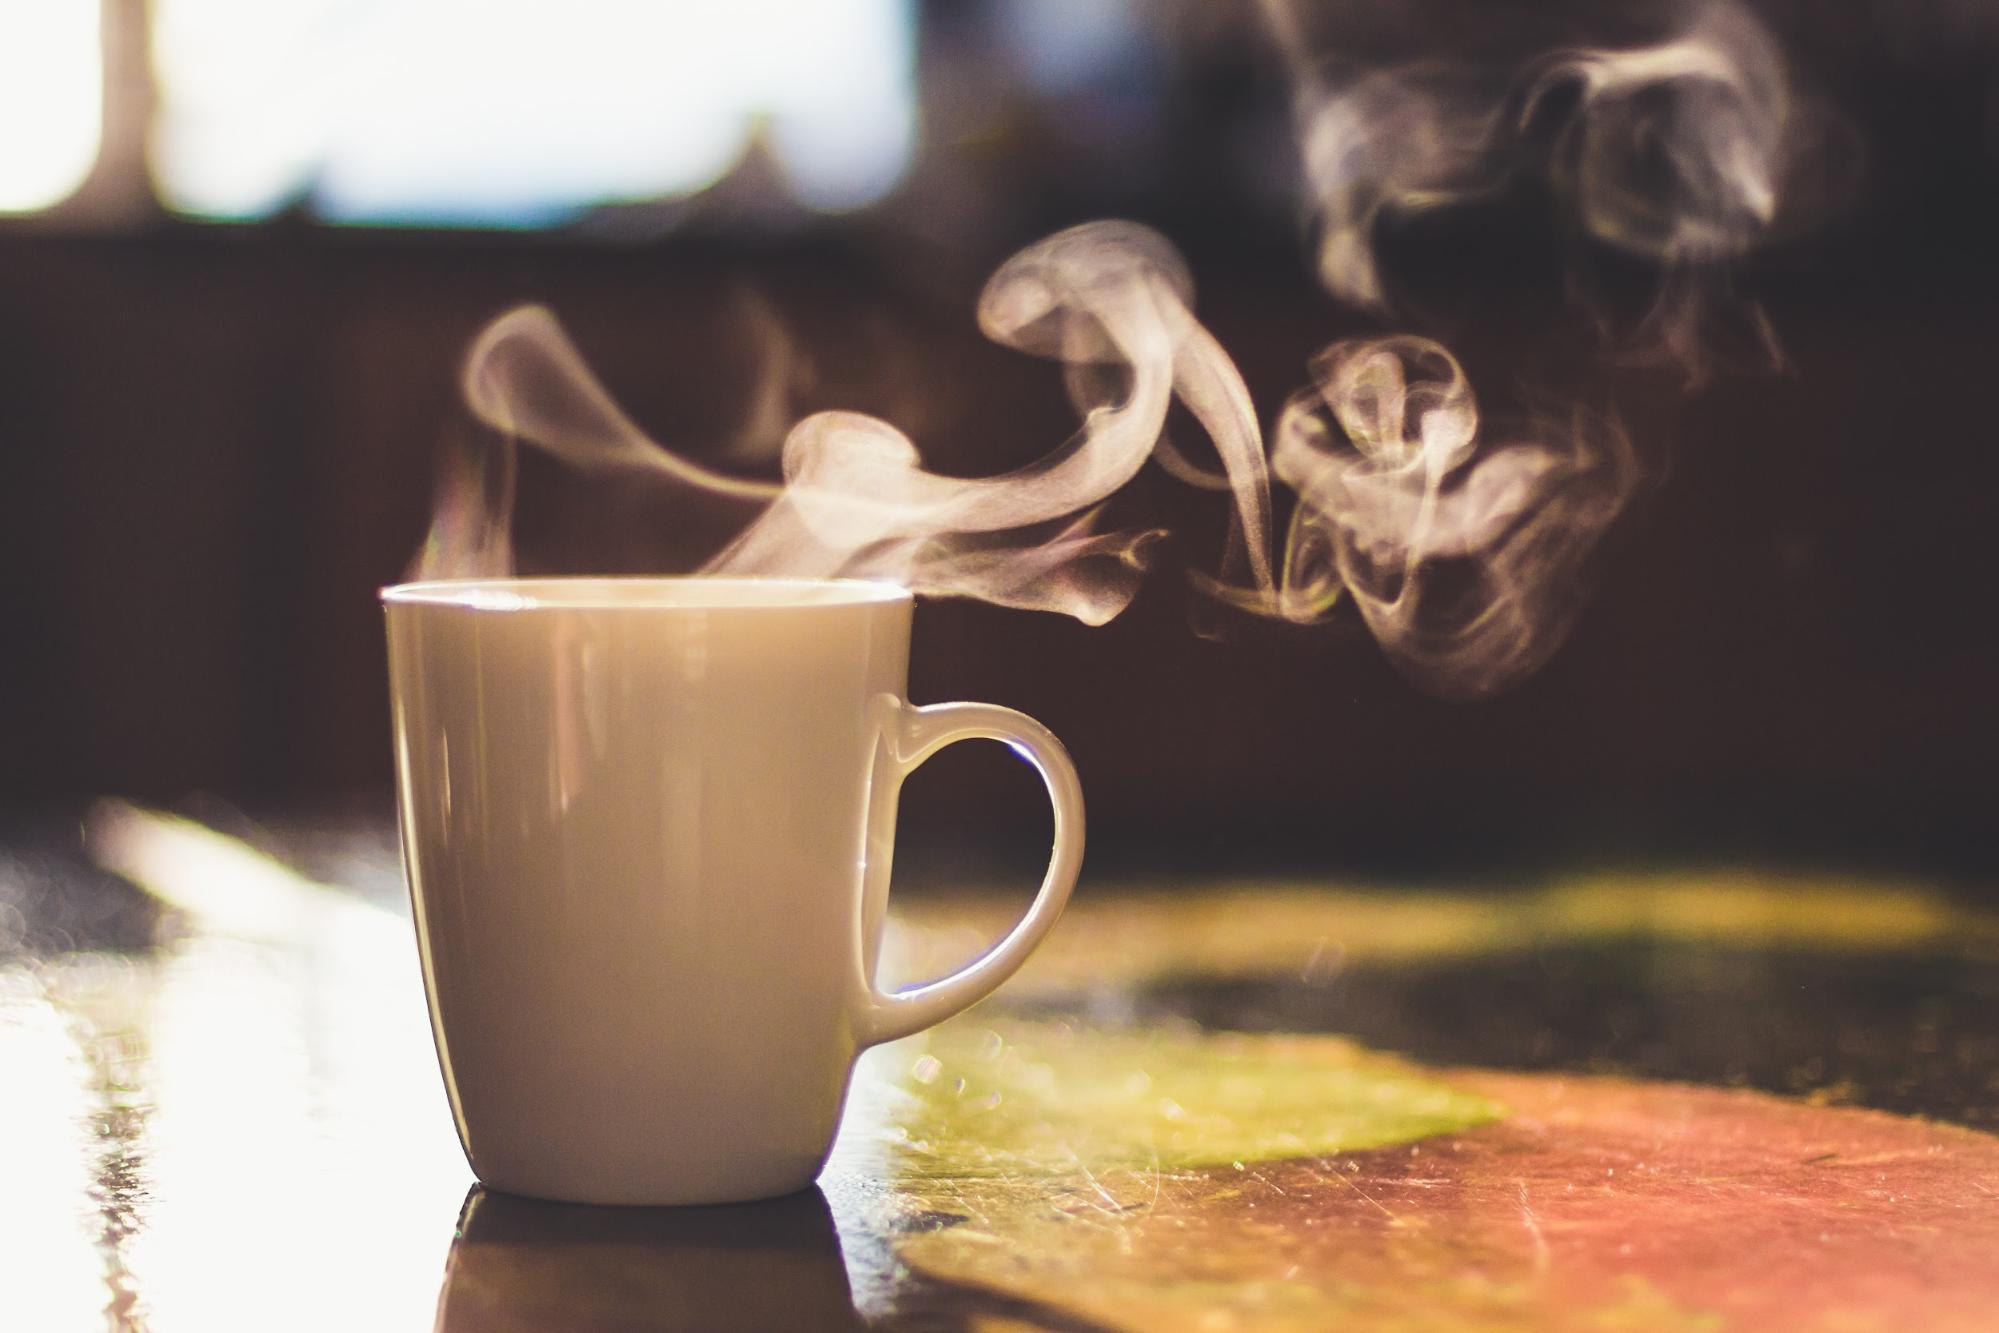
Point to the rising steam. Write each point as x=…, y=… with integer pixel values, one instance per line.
x=1463, y=548
x=1111, y=300
x=1463, y=555
x=1687, y=152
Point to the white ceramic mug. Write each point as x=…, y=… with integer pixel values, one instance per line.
x=647, y=825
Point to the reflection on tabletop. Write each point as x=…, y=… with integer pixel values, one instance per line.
x=1668, y=1101
x=523, y=1265
x=226, y=1130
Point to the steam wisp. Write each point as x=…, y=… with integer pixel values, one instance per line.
x=1462, y=554
x=1111, y=300
x=1463, y=546
x=1687, y=152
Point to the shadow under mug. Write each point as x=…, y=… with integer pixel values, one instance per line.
x=648, y=825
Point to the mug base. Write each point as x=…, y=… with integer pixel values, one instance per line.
x=648, y=1199
x=654, y=1194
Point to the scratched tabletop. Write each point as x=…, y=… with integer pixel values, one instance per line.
x=1705, y=1099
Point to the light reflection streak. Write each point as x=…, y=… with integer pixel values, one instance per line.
x=53, y=1275
x=281, y=1156
x=291, y=1164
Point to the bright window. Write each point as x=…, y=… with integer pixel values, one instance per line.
x=520, y=112
x=51, y=100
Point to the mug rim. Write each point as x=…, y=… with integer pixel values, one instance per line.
x=643, y=592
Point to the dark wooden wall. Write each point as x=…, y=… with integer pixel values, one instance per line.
x=215, y=445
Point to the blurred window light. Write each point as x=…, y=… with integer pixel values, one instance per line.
x=51, y=100
x=518, y=113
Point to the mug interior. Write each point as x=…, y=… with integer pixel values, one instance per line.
x=689, y=592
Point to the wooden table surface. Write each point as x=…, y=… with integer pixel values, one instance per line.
x=1692, y=1100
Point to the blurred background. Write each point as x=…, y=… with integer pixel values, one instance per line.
x=244, y=246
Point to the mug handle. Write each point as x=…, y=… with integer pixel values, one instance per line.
x=917, y=734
